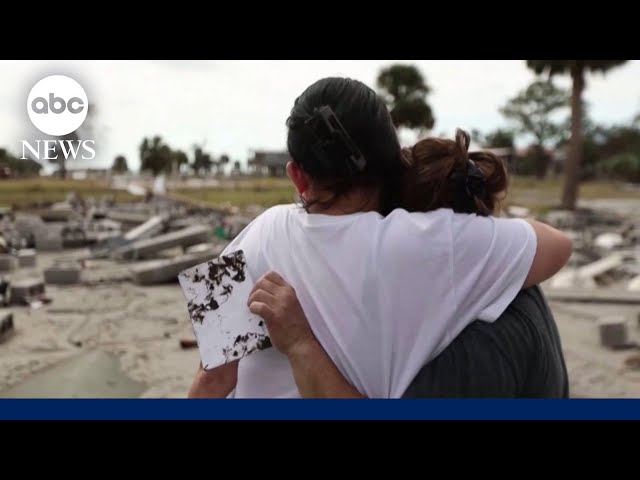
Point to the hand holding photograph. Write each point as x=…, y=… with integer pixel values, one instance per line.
x=217, y=292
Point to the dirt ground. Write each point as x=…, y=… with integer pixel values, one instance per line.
x=140, y=327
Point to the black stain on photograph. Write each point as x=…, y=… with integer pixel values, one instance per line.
x=218, y=279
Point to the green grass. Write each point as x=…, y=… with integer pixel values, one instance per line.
x=528, y=192
x=29, y=191
x=542, y=195
x=266, y=192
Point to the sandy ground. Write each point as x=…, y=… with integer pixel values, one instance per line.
x=141, y=327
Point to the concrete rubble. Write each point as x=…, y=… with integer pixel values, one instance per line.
x=108, y=272
x=604, y=270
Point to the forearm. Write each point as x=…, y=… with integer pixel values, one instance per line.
x=316, y=375
x=213, y=384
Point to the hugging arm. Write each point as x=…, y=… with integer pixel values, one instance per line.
x=553, y=250
x=517, y=356
x=315, y=374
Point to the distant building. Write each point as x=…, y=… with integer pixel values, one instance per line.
x=269, y=163
x=506, y=154
x=88, y=173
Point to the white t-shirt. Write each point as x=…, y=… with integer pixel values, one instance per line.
x=383, y=295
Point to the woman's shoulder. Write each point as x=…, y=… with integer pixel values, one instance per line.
x=402, y=219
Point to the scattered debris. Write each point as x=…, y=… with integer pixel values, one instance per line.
x=5, y=292
x=188, y=343
x=608, y=240
x=633, y=362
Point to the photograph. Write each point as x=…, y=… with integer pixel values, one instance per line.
x=217, y=292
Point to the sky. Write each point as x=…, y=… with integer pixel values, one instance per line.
x=236, y=106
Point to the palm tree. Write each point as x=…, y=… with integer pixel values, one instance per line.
x=577, y=70
x=405, y=91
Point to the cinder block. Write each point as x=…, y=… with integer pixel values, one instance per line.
x=8, y=263
x=48, y=241
x=614, y=332
x=23, y=291
x=62, y=275
x=27, y=257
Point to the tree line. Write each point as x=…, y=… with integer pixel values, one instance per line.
x=592, y=150
x=156, y=157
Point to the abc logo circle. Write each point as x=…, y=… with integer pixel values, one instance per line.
x=57, y=105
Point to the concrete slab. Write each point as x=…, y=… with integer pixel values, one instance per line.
x=162, y=271
x=135, y=218
x=152, y=227
x=92, y=374
x=147, y=247
x=634, y=284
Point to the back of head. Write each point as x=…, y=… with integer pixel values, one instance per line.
x=367, y=124
x=443, y=174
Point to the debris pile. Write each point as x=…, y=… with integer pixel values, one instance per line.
x=146, y=242
x=606, y=250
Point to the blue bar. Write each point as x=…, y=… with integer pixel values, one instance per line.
x=368, y=409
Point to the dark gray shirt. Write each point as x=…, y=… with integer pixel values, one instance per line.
x=517, y=356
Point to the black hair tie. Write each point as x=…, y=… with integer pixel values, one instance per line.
x=467, y=186
x=475, y=181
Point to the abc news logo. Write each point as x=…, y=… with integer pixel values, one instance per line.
x=41, y=105
x=57, y=105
